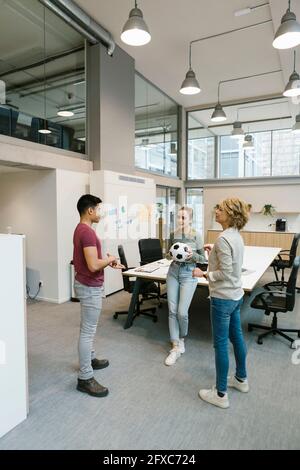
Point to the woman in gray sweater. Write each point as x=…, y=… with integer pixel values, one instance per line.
x=226, y=297
x=181, y=284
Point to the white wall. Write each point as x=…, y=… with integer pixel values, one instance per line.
x=42, y=205
x=28, y=205
x=285, y=198
x=13, y=334
x=70, y=186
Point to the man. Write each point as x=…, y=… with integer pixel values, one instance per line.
x=89, y=277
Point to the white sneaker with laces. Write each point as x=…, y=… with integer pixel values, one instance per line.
x=241, y=386
x=211, y=396
x=173, y=356
x=181, y=346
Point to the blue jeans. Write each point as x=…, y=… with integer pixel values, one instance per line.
x=181, y=286
x=91, y=305
x=226, y=324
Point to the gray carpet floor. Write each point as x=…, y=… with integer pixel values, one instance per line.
x=151, y=406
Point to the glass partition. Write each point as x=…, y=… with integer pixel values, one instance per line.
x=156, y=129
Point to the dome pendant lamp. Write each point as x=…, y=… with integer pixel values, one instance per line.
x=135, y=31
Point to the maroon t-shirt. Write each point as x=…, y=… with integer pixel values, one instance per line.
x=85, y=236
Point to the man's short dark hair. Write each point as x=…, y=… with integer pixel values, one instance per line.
x=86, y=202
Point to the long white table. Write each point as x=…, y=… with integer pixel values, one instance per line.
x=257, y=259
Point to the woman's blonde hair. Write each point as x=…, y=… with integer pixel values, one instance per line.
x=237, y=211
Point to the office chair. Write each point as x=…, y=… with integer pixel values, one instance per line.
x=151, y=251
x=147, y=287
x=280, y=264
x=276, y=301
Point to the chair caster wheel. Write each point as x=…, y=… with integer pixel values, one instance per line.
x=259, y=341
x=293, y=345
x=250, y=328
x=116, y=316
x=155, y=320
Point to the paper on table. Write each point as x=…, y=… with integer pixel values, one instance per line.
x=246, y=271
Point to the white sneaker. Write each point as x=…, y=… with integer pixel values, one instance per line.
x=241, y=386
x=181, y=346
x=212, y=397
x=172, y=357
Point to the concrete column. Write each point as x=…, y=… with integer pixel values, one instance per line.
x=111, y=109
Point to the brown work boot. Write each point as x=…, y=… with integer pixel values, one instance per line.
x=98, y=364
x=92, y=387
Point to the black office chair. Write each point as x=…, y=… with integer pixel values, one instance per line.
x=147, y=288
x=276, y=301
x=285, y=260
x=151, y=251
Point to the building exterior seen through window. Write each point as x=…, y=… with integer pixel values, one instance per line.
x=213, y=153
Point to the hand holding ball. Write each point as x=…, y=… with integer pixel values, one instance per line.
x=180, y=252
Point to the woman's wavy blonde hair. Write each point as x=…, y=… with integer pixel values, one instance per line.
x=237, y=211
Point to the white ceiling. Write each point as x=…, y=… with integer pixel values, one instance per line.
x=174, y=23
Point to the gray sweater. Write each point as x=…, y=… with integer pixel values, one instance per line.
x=193, y=240
x=225, y=266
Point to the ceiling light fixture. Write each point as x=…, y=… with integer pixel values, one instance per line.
x=288, y=33
x=219, y=113
x=238, y=130
x=190, y=85
x=65, y=113
x=45, y=130
x=293, y=86
x=135, y=31
x=248, y=142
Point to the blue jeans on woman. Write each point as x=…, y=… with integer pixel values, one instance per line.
x=226, y=324
x=181, y=286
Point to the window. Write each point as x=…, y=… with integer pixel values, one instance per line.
x=201, y=156
x=156, y=129
x=32, y=97
x=212, y=151
x=258, y=160
x=194, y=199
x=231, y=158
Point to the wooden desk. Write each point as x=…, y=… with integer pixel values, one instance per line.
x=256, y=262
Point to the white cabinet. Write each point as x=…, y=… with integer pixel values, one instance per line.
x=13, y=333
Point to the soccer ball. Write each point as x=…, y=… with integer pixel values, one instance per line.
x=179, y=252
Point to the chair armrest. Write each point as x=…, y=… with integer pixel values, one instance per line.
x=274, y=284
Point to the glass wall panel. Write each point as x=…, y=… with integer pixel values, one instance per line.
x=43, y=68
x=194, y=199
x=156, y=129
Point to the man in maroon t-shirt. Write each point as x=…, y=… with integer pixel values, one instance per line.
x=89, y=276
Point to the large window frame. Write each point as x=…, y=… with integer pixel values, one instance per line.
x=217, y=158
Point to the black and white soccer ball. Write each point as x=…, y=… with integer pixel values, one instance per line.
x=179, y=252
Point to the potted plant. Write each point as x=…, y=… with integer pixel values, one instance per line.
x=268, y=210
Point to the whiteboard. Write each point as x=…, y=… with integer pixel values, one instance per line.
x=128, y=214
x=13, y=349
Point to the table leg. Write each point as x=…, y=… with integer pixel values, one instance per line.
x=133, y=303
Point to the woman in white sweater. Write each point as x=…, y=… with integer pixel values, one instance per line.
x=226, y=297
